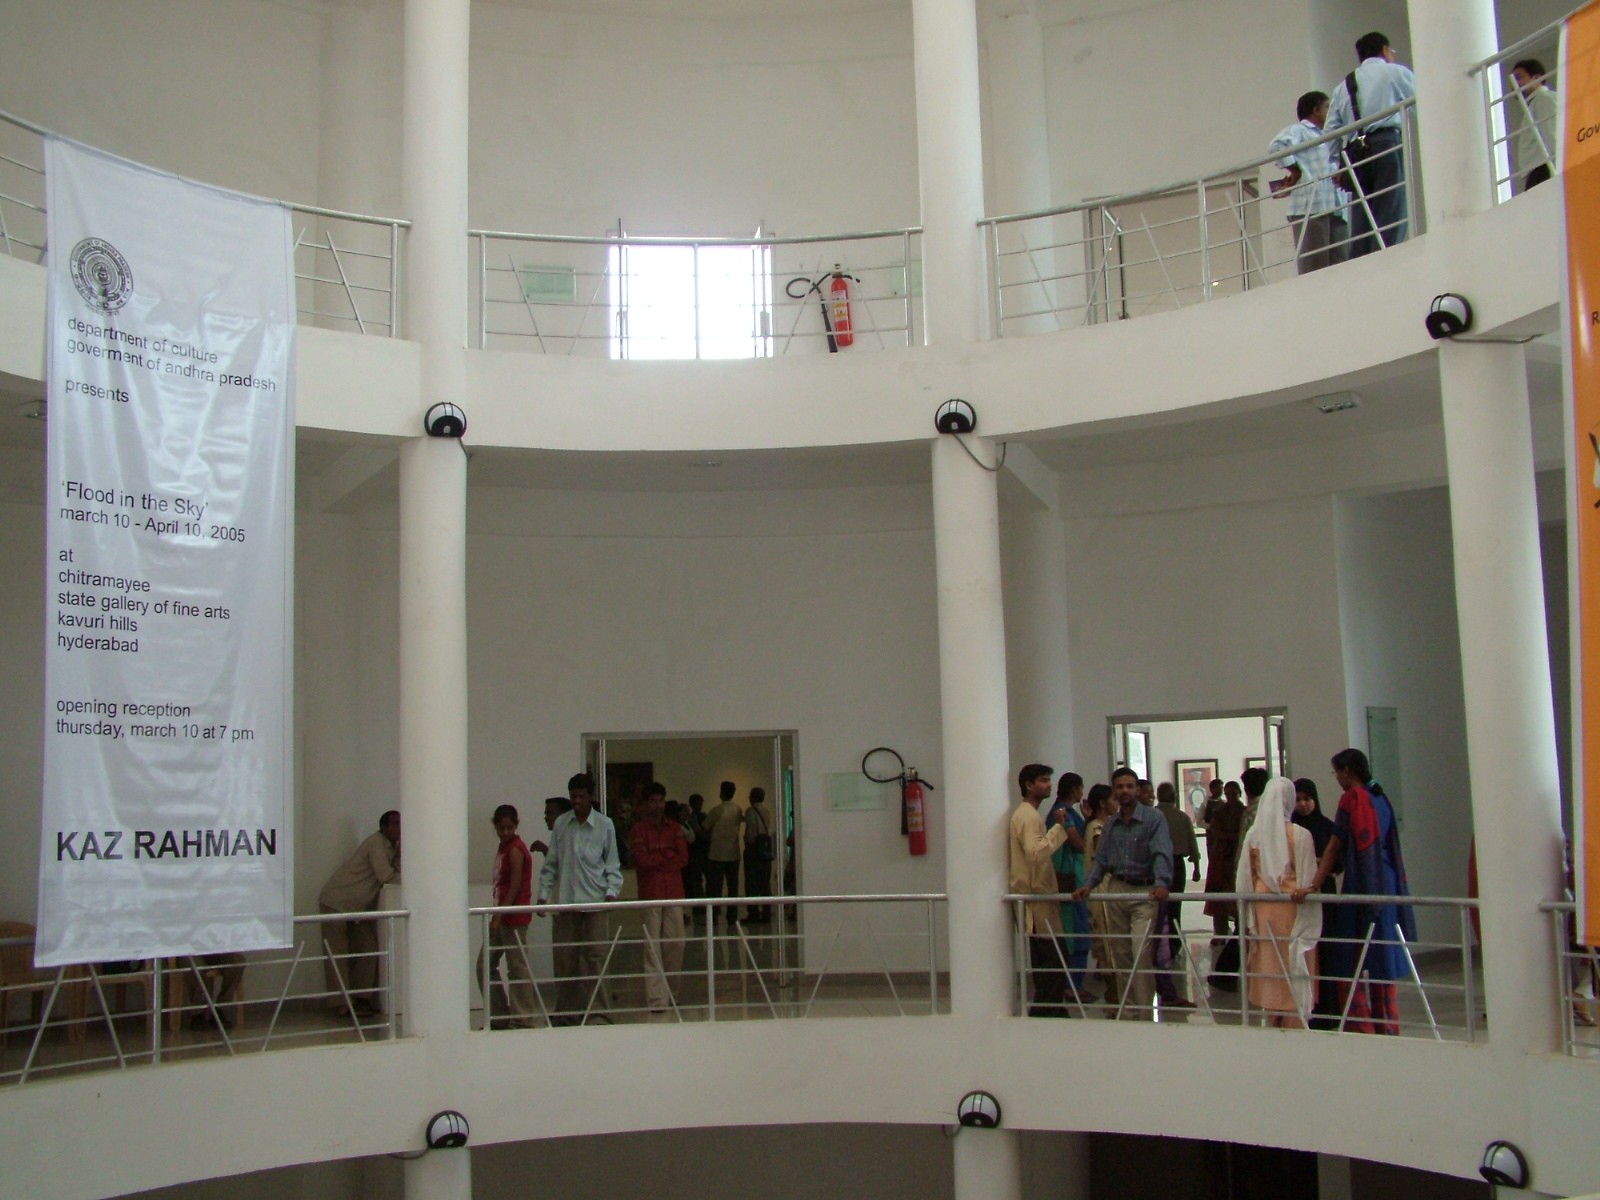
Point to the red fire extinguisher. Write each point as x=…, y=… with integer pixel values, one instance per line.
x=839, y=296
x=916, y=818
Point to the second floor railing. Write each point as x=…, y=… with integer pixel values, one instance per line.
x=346, y=265
x=1219, y=235
x=1578, y=969
x=336, y=984
x=676, y=961
x=695, y=298
x=1121, y=956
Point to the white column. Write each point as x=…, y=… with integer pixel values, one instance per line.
x=977, y=788
x=949, y=168
x=1447, y=37
x=440, y=1175
x=1505, y=675
x=433, y=593
x=988, y=1164
x=1037, y=661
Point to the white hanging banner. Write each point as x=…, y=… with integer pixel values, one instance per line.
x=167, y=823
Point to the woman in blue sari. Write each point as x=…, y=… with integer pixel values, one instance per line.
x=1364, y=944
x=1069, y=867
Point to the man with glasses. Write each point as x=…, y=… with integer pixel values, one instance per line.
x=583, y=867
x=1376, y=152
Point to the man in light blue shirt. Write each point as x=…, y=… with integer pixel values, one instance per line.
x=1378, y=210
x=583, y=867
x=1316, y=201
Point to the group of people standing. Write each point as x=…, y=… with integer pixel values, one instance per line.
x=583, y=866
x=1329, y=966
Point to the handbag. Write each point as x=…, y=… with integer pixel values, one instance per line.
x=1357, y=148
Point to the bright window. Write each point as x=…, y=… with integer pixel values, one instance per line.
x=691, y=302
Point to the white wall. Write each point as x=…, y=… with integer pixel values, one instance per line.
x=220, y=90
x=1229, y=740
x=1146, y=95
x=21, y=704
x=1402, y=649
x=689, y=125
x=1207, y=610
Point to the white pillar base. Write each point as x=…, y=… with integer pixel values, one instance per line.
x=440, y=1175
x=988, y=1164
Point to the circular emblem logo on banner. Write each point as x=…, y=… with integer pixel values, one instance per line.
x=101, y=274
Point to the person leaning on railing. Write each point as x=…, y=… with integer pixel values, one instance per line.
x=1316, y=201
x=352, y=946
x=1378, y=82
x=1364, y=948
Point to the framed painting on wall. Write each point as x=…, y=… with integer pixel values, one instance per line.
x=1255, y=762
x=1194, y=778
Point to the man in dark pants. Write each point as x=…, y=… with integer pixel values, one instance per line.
x=694, y=875
x=1378, y=209
x=760, y=848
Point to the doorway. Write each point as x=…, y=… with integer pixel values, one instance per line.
x=690, y=764
x=1188, y=750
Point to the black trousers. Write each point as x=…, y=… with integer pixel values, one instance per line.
x=757, y=882
x=722, y=879
x=1046, y=954
x=1382, y=214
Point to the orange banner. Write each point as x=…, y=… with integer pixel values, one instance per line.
x=1580, y=83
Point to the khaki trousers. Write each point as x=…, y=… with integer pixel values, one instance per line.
x=506, y=942
x=663, y=955
x=1129, y=930
x=352, y=956
x=579, y=948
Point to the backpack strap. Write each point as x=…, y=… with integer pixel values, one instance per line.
x=1355, y=99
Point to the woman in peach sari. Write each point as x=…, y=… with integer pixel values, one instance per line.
x=1276, y=857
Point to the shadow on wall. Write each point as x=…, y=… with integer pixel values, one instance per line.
x=821, y=1162
x=1129, y=1167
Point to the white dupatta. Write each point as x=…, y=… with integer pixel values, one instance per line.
x=1274, y=837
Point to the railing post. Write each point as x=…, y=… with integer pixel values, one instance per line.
x=394, y=280
x=156, y=993
x=933, y=962
x=483, y=292
x=1468, y=993
x=1205, y=243
x=695, y=250
x=711, y=962
x=905, y=281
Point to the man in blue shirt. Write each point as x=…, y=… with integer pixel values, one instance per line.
x=1134, y=855
x=583, y=867
x=1316, y=201
x=1379, y=207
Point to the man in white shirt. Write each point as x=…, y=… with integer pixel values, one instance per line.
x=1531, y=125
x=1316, y=201
x=1378, y=210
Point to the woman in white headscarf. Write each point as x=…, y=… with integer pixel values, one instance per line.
x=1276, y=857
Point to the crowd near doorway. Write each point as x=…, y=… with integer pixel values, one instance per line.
x=698, y=764
x=1191, y=749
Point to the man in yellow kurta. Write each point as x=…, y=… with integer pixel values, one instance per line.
x=1033, y=874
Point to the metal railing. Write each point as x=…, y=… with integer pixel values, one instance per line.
x=1578, y=976
x=1125, y=256
x=1523, y=119
x=674, y=961
x=332, y=986
x=347, y=270
x=1145, y=965
x=653, y=297
x=346, y=265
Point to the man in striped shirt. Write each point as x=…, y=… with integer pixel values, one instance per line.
x=1316, y=202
